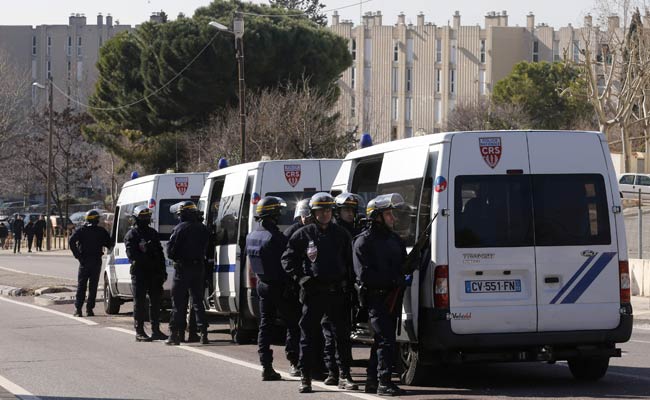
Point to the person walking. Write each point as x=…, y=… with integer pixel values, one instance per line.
x=378, y=256
x=319, y=256
x=4, y=232
x=39, y=232
x=276, y=290
x=148, y=273
x=29, y=233
x=187, y=248
x=17, y=228
x=86, y=244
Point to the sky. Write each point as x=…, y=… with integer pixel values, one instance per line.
x=556, y=13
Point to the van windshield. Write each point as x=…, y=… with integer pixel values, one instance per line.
x=530, y=210
x=292, y=198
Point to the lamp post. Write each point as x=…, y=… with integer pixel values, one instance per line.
x=48, y=222
x=238, y=31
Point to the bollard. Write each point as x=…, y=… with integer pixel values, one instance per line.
x=640, y=227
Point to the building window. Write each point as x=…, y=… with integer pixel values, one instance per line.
x=395, y=50
x=49, y=46
x=354, y=49
x=481, y=82
x=438, y=50
x=353, y=108
x=556, y=50
x=453, y=52
x=69, y=47
x=407, y=112
x=393, y=133
x=409, y=50
x=482, y=55
x=395, y=80
x=576, y=51
x=452, y=81
x=409, y=80
x=393, y=109
x=535, y=51
x=437, y=111
x=69, y=70
x=353, y=78
x=33, y=45
x=438, y=80
x=367, y=50
x=79, y=47
x=80, y=70
x=408, y=132
x=48, y=69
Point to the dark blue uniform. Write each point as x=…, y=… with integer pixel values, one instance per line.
x=187, y=247
x=378, y=258
x=86, y=244
x=17, y=229
x=292, y=229
x=264, y=247
x=320, y=261
x=148, y=271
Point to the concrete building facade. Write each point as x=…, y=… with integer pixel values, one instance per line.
x=67, y=53
x=406, y=79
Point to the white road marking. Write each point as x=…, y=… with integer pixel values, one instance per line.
x=31, y=273
x=640, y=341
x=16, y=390
x=256, y=367
x=59, y=313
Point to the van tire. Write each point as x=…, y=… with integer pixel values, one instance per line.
x=111, y=304
x=412, y=371
x=588, y=368
x=239, y=335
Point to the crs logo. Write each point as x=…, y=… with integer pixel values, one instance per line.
x=491, y=150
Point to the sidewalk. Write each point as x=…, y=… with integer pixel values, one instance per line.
x=641, y=310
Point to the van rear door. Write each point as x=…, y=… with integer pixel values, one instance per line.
x=492, y=277
x=228, y=251
x=575, y=233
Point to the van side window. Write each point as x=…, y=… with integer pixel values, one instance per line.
x=627, y=180
x=228, y=219
x=215, y=199
x=493, y=211
x=570, y=210
x=366, y=176
x=124, y=219
x=245, y=213
x=406, y=217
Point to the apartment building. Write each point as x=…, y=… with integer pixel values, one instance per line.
x=405, y=79
x=67, y=53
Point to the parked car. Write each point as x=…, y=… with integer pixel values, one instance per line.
x=58, y=225
x=630, y=184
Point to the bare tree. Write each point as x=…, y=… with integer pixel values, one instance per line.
x=483, y=115
x=14, y=86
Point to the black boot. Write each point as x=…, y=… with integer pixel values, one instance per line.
x=332, y=378
x=174, y=338
x=346, y=382
x=193, y=337
x=305, y=384
x=293, y=369
x=78, y=313
x=140, y=334
x=156, y=333
x=90, y=312
x=371, y=386
x=388, y=388
x=204, y=338
x=269, y=374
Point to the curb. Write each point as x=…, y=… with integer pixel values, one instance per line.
x=49, y=299
x=11, y=291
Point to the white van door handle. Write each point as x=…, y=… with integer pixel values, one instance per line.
x=588, y=253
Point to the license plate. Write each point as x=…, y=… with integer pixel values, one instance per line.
x=501, y=286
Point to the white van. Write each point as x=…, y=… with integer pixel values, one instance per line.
x=158, y=192
x=527, y=257
x=228, y=201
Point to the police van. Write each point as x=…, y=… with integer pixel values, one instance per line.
x=228, y=201
x=527, y=259
x=158, y=192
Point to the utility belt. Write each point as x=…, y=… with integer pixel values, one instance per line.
x=330, y=287
x=199, y=262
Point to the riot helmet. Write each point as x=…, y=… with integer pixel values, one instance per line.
x=184, y=210
x=302, y=210
x=92, y=217
x=270, y=207
x=320, y=201
x=384, y=202
x=142, y=215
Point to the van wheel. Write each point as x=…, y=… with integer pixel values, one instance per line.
x=412, y=371
x=111, y=304
x=589, y=368
x=240, y=335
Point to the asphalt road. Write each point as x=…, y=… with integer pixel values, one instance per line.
x=62, y=265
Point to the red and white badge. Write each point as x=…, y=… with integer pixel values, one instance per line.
x=292, y=174
x=182, y=183
x=490, y=150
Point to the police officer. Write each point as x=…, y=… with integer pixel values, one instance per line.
x=318, y=256
x=148, y=273
x=264, y=247
x=347, y=214
x=86, y=244
x=187, y=247
x=378, y=255
x=302, y=216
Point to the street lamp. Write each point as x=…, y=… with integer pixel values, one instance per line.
x=238, y=31
x=48, y=222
